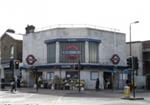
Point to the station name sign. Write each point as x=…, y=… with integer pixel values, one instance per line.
x=72, y=52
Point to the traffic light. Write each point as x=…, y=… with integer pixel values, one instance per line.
x=129, y=62
x=135, y=63
x=16, y=64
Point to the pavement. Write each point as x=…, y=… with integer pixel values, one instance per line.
x=29, y=96
x=90, y=93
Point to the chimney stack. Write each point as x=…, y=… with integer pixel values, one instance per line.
x=10, y=30
x=30, y=29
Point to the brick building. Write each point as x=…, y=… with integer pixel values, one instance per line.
x=10, y=48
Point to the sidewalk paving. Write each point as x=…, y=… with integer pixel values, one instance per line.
x=29, y=96
x=75, y=93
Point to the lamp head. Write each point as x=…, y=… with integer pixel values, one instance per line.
x=136, y=22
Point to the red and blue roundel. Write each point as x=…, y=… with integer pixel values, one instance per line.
x=72, y=52
x=31, y=59
x=115, y=59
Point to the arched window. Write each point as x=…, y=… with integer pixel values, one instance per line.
x=12, y=51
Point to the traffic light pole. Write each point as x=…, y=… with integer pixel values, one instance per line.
x=132, y=63
x=12, y=67
x=133, y=84
x=132, y=66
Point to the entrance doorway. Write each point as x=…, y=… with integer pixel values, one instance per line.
x=107, y=80
x=148, y=82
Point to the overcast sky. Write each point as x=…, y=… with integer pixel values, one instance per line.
x=117, y=14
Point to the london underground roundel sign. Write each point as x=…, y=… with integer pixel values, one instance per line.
x=72, y=52
x=115, y=59
x=31, y=59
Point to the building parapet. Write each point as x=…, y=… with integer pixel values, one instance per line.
x=77, y=26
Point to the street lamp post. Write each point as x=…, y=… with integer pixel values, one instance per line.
x=132, y=59
x=130, y=35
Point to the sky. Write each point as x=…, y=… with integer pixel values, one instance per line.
x=114, y=14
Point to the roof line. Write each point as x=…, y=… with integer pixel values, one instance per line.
x=76, y=26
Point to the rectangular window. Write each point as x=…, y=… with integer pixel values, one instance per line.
x=51, y=53
x=94, y=75
x=93, y=52
x=50, y=75
x=71, y=52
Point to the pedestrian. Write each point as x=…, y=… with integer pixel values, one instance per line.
x=13, y=85
x=97, y=84
x=18, y=82
x=108, y=84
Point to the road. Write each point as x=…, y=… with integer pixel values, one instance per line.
x=69, y=98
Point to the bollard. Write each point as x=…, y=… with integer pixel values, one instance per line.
x=127, y=92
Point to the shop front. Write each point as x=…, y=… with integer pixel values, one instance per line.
x=67, y=77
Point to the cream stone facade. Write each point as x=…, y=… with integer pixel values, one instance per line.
x=93, y=47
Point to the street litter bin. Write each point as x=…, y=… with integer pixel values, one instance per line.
x=126, y=91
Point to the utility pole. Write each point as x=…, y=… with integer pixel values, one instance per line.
x=130, y=62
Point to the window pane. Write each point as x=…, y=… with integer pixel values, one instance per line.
x=70, y=51
x=51, y=53
x=12, y=52
x=93, y=52
x=50, y=75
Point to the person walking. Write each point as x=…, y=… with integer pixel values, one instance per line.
x=97, y=84
x=18, y=82
x=13, y=85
